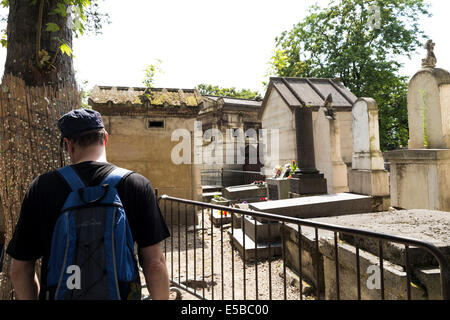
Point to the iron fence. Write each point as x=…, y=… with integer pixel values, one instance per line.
x=203, y=264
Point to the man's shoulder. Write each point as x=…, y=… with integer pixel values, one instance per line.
x=135, y=179
x=47, y=178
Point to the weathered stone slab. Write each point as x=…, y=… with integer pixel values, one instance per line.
x=318, y=267
x=278, y=188
x=253, y=251
x=308, y=184
x=395, y=278
x=369, y=182
x=248, y=192
x=317, y=206
x=263, y=232
x=420, y=179
x=425, y=225
x=302, y=254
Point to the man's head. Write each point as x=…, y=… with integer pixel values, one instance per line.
x=83, y=135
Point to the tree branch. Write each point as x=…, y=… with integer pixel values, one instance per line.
x=39, y=30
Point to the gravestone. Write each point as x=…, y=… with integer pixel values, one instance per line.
x=366, y=137
x=328, y=152
x=368, y=175
x=420, y=176
x=278, y=189
x=428, y=106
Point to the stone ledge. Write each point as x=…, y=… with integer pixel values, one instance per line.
x=418, y=154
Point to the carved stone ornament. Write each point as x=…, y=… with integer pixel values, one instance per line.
x=430, y=61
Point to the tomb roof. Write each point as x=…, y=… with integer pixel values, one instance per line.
x=137, y=96
x=236, y=101
x=312, y=92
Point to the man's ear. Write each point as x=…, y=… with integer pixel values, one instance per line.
x=68, y=145
x=106, y=138
x=65, y=145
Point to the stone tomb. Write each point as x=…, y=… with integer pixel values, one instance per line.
x=420, y=176
x=259, y=239
x=305, y=207
x=247, y=192
x=425, y=225
x=316, y=206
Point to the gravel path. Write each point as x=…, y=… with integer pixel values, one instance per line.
x=209, y=273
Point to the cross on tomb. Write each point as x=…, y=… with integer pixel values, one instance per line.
x=430, y=61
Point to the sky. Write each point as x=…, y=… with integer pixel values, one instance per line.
x=226, y=43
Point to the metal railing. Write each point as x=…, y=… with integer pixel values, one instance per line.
x=206, y=266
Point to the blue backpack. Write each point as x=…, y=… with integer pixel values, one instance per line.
x=92, y=250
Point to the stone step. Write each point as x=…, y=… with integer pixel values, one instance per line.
x=262, y=251
x=262, y=232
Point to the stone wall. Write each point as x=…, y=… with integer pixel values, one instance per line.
x=148, y=151
x=278, y=115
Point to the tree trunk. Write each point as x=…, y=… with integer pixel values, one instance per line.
x=22, y=58
x=33, y=95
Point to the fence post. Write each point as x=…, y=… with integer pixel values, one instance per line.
x=445, y=280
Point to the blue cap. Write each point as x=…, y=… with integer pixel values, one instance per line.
x=78, y=121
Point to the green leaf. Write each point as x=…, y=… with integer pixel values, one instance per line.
x=65, y=49
x=52, y=27
x=61, y=9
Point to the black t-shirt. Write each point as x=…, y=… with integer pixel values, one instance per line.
x=45, y=198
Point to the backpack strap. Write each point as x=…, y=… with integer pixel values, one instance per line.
x=115, y=176
x=71, y=177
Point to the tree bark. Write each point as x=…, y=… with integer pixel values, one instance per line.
x=32, y=98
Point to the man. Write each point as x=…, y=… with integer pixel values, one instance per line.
x=85, y=138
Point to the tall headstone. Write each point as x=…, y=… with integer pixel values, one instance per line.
x=368, y=175
x=307, y=180
x=420, y=176
x=328, y=151
x=428, y=105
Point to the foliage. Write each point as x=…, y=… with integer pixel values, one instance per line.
x=80, y=15
x=85, y=94
x=207, y=89
x=358, y=41
x=150, y=72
